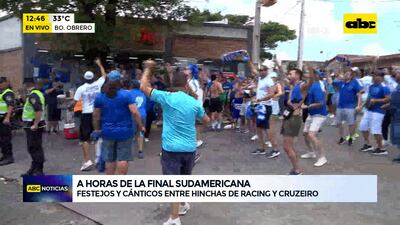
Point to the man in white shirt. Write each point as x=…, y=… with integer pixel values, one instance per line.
x=266, y=91
x=194, y=89
x=87, y=92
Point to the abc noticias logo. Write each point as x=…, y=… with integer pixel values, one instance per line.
x=36, y=188
x=356, y=23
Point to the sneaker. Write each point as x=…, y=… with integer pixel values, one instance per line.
x=292, y=172
x=197, y=158
x=227, y=127
x=280, y=117
x=171, y=221
x=341, y=141
x=356, y=135
x=273, y=154
x=146, y=140
x=255, y=137
x=86, y=166
x=268, y=144
x=183, y=209
x=350, y=141
x=331, y=116
x=334, y=123
x=6, y=161
x=245, y=131
x=259, y=152
x=199, y=143
x=367, y=148
x=159, y=123
x=320, y=162
x=309, y=155
x=396, y=160
x=347, y=137
x=140, y=155
x=379, y=151
x=386, y=143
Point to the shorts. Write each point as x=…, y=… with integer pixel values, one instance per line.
x=53, y=113
x=347, y=115
x=314, y=123
x=335, y=99
x=216, y=105
x=77, y=119
x=236, y=107
x=372, y=121
x=292, y=126
x=329, y=99
x=113, y=150
x=86, y=127
x=264, y=123
x=177, y=163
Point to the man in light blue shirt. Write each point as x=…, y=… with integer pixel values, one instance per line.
x=180, y=112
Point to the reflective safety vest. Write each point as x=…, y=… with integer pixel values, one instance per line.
x=29, y=113
x=3, y=104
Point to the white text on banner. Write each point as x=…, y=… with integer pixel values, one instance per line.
x=224, y=188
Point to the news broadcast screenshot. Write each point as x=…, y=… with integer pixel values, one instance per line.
x=201, y=112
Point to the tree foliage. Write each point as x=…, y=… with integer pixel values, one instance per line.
x=271, y=34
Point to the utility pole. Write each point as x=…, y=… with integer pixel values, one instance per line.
x=256, y=34
x=301, y=36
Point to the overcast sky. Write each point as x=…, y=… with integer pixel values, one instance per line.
x=324, y=25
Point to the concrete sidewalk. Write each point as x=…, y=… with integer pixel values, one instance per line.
x=228, y=152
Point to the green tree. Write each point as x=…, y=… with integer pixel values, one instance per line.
x=106, y=14
x=271, y=34
x=237, y=20
x=198, y=17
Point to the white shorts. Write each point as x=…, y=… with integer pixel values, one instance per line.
x=314, y=123
x=347, y=115
x=372, y=121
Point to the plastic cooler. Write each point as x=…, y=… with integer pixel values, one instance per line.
x=70, y=131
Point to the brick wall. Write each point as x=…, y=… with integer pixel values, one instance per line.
x=205, y=47
x=11, y=66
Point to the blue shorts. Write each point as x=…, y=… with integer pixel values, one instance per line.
x=264, y=123
x=236, y=107
x=113, y=150
x=177, y=163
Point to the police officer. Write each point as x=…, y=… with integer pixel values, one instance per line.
x=7, y=100
x=34, y=123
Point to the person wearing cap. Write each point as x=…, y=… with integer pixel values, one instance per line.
x=87, y=93
x=350, y=102
x=112, y=121
x=315, y=103
x=194, y=89
x=371, y=122
x=178, y=133
x=140, y=101
x=266, y=91
x=34, y=124
x=7, y=101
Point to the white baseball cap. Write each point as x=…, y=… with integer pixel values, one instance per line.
x=88, y=75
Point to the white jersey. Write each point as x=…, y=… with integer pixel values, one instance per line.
x=195, y=86
x=365, y=82
x=87, y=92
x=390, y=82
x=264, y=84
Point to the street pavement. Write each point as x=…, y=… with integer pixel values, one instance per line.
x=226, y=152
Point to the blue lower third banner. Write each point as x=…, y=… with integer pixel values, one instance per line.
x=201, y=188
x=53, y=188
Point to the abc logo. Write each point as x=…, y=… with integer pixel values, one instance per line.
x=360, y=23
x=33, y=188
